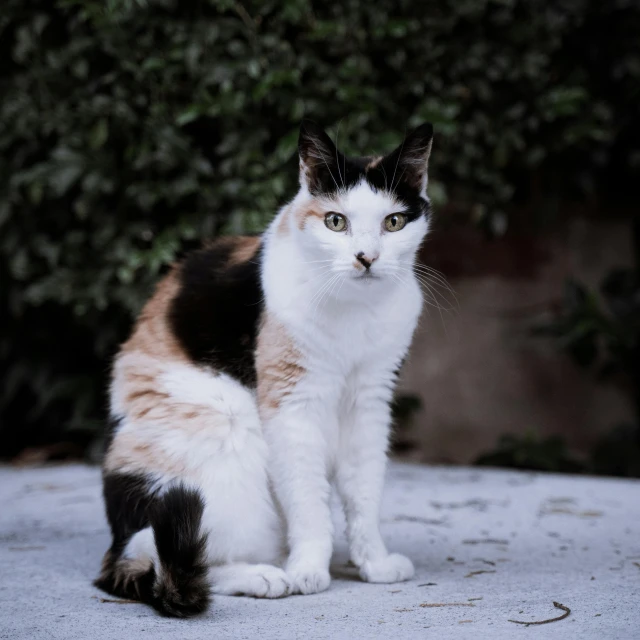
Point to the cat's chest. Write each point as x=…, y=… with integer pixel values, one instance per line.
x=341, y=342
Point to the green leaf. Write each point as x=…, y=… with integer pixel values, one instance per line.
x=99, y=134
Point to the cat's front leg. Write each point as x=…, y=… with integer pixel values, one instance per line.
x=298, y=471
x=359, y=477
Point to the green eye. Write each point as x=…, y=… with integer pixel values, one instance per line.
x=335, y=221
x=395, y=222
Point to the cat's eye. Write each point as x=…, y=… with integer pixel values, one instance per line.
x=395, y=222
x=335, y=221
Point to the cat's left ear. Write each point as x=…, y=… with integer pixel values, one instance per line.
x=319, y=159
x=409, y=162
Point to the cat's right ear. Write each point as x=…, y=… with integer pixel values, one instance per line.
x=319, y=159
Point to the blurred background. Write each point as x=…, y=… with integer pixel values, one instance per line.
x=130, y=130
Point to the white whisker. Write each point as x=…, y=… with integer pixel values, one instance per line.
x=337, y=159
x=324, y=291
x=397, y=161
x=437, y=281
x=321, y=156
x=320, y=293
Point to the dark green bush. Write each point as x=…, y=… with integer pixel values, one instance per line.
x=601, y=331
x=129, y=130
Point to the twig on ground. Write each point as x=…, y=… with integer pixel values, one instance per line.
x=477, y=573
x=428, y=605
x=431, y=521
x=109, y=600
x=31, y=548
x=557, y=605
x=428, y=584
x=489, y=562
x=485, y=541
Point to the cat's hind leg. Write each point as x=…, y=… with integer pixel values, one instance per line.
x=257, y=580
x=164, y=564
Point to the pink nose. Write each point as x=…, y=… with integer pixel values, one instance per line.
x=366, y=260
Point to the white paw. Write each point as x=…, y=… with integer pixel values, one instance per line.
x=391, y=568
x=309, y=580
x=269, y=582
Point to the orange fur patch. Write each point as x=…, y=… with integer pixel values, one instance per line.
x=374, y=163
x=283, y=224
x=139, y=395
x=130, y=453
x=152, y=334
x=244, y=249
x=304, y=213
x=278, y=362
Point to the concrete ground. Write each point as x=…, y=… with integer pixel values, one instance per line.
x=489, y=546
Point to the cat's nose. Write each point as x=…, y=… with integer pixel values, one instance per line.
x=366, y=260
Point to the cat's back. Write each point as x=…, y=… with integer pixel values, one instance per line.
x=206, y=309
x=202, y=321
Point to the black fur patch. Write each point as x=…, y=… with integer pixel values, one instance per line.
x=215, y=315
x=380, y=179
x=398, y=172
x=182, y=589
x=113, y=580
x=127, y=499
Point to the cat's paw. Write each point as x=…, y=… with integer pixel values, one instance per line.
x=391, y=568
x=309, y=580
x=269, y=582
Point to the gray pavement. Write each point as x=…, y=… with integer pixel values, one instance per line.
x=489, y=546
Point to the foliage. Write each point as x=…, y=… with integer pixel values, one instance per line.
x=531, y=452
x=601, y=332
x=605, y=329
x=131, y=129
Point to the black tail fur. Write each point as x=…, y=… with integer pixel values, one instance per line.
x=179, y=587
x=182, y=588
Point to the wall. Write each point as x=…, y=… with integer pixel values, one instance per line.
x=479, y=370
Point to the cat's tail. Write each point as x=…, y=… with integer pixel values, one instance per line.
x=165, y=565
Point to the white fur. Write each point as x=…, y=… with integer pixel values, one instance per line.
x=227, y=463
x=333, y=426
x=335, y=423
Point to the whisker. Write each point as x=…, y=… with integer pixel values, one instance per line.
x=398, y=160
x=384, y=171
x=324, y=290
x=406, y=284
x=337, y=159
x=438, y=281
x=320, y=271
x=430, y=300
x=435, y=294
x=338, y=282
x=425, y=266
x=437, y=276
x=321, y=156
x=444, y=291
x=340, y=289
x=320, y=293
x=432, y=292
x=400, y=178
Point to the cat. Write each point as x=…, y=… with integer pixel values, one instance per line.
x=259, y=374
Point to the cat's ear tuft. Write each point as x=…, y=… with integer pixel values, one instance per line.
x=411, y=159
x=319, y=158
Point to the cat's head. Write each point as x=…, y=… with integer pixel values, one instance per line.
x=362, y=219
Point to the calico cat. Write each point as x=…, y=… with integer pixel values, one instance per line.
x=259, y=374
